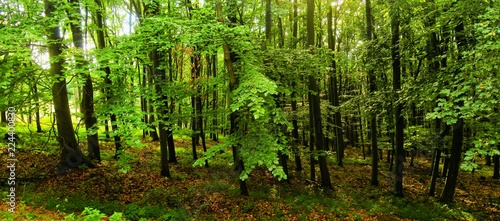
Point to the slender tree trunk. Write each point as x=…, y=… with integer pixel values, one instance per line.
x=373, y=116
x=294, y=97
x=88, y=91
x=314, y=101
x=4, y=117
x=214, y=98
x=162, y=111
x=312, y=158
x=108, y=90
x=496, y=168
x=282, y=158
x=37, y=112
x=144, y=103
x=458, y=132
x=433, y=53
x=194, y=106
x=172, y=158
x=446, y=163
x=334, y=91
x=230, y=58
x=151, y=111
x=396, y=86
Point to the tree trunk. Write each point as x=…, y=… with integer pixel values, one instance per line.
x=215, y=125
x=4, y=118
x=71, y=154
x=496, y=168
x=373, y=88
x=396, y=86
x=37, y=112
x=88, y=90
x=144, y=103
x=158, y=80
x=151, y=111
x=172, y=158
x=314, y=101
x=334, y=91
x=458, y=132
x=488, y=160
x=294, y=97
x=108, y=90
x=230, y=58
x=433, y=53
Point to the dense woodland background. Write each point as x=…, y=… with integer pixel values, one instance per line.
x=350, y=105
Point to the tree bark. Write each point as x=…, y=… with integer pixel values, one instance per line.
x=90, y=120
x=496, y=168
x=373, y=88
x=314, y=101
x=230, y=58
x=71, y=154
x=294, y=97
x=458, y=132
x=396, y=86
x=334, y=91
x=108, y=90
x=37, y=112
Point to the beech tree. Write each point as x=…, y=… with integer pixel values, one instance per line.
x=71, y=154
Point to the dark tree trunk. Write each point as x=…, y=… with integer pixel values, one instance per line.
x=295, y=130
x=373, y=88
x=37, y=114
x=144, y=103
x=194, y=106
x=4, y=117
x=94, y=152
x=158, y=80
x=496, y=168
x=294, y=97
x=433, y=53
x=446, y=163
x=488, y=160
x=106, y=129
x=314, y=101
x=71, y=154
x=312, y=158
x=396, y=86
x=230, y=58
x=334, y=91
x=172, y=158
x=283, y=158
x=458, y=132
x=108, y=90
x=215, y=125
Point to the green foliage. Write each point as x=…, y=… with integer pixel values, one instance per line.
x=91, y=214
x=124, y=162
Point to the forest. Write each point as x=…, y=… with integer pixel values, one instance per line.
x=250, y=109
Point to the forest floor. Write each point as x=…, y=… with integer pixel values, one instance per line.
x=201, y=193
